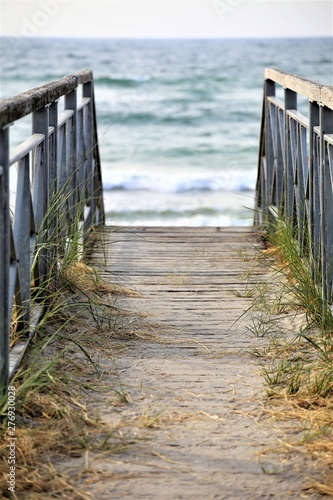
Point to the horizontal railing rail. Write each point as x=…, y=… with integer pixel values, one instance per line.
x=295, y=167
x=49, y=184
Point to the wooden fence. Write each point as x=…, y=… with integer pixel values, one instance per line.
x=56, y=185
x=295, y=169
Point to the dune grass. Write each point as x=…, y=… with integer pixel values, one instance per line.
x=298, y=355
x=54, y=381
x=78, y=321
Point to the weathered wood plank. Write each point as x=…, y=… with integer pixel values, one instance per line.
x=21, y=105
x=193, y=289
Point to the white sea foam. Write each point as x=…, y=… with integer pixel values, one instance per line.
x=192, y=208
x=163, y=181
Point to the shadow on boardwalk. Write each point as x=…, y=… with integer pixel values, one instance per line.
x=187, y=395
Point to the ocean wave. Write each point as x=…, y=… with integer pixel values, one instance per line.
x=162, y=213
x=122, y=81
x=130, y=117
x=179, y=183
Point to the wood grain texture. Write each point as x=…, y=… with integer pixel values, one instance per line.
x=187, y=362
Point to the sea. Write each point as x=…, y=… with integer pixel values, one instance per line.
x=178, y=120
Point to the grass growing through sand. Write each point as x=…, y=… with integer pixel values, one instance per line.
x=52, y=385
x=298, y=354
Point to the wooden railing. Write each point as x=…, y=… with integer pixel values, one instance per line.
x=295, y=170
x=57, y=186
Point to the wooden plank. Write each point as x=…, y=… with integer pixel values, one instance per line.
x=194, y=280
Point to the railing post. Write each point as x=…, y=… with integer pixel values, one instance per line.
x=99, y=215
x=71, y=166
x=21, y=242
x=53, y=183
x=88, y=135
x=4, y=259
x=41, y=183
x=314, y=197
x=290, y=102
x=326, y=214
x=266, y=156
x=269, y=148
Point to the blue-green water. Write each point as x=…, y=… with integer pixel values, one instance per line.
x=178, y=121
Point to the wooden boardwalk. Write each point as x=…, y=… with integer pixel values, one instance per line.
x=194, y=279
x=194, y=410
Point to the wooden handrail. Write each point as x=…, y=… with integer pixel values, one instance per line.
x=23, y=104
x=310, y=90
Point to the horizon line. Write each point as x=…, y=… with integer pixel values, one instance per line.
x=96, y=37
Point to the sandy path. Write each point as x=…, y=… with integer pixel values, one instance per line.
x=194, y=418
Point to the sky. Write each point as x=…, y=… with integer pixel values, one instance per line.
x=167, y=18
